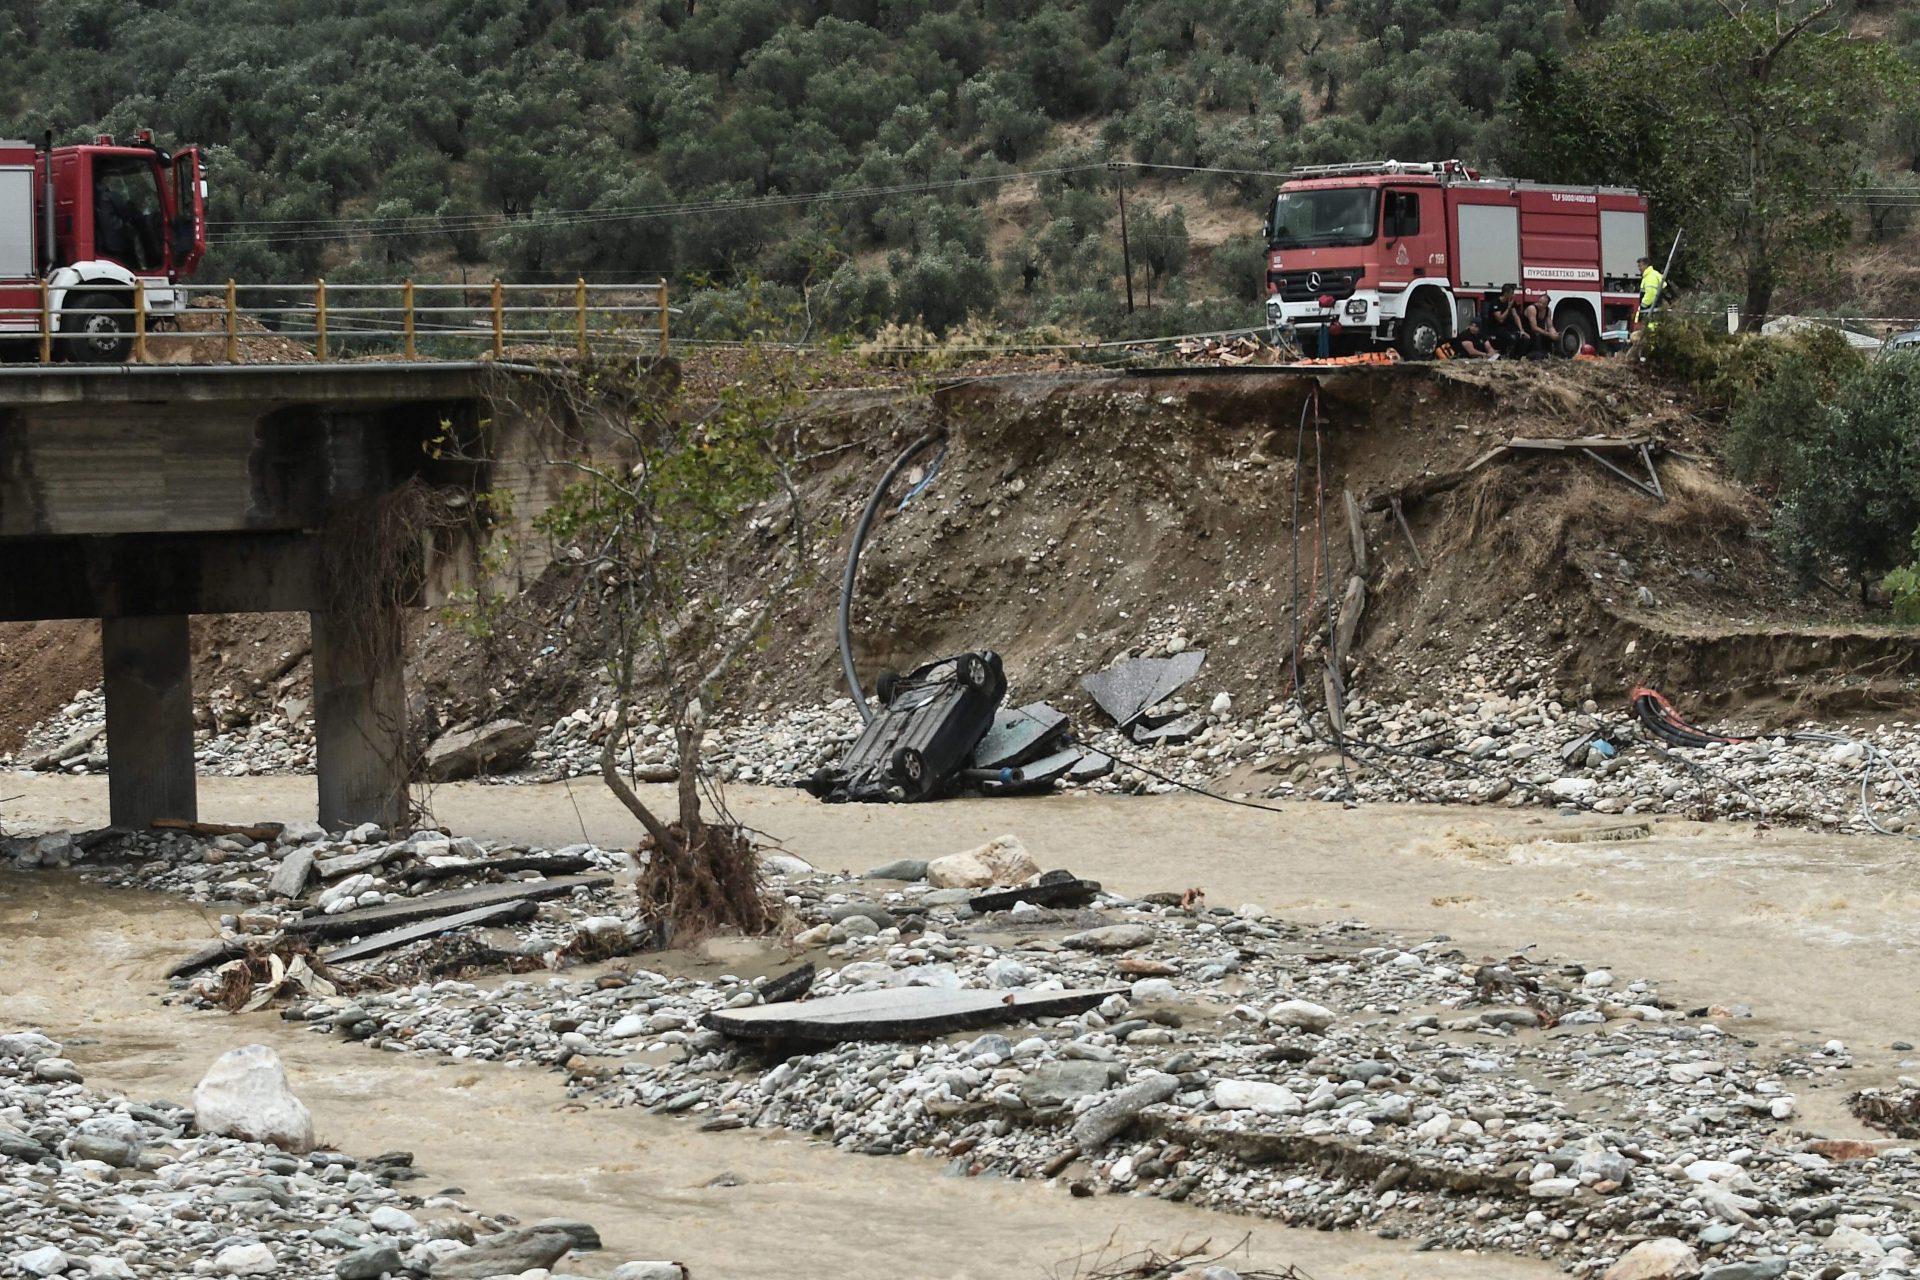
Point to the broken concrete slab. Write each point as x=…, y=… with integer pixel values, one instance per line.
x=1039, y=775
x=1056, y=889
x=391, y=915
x=793, y=985
x=497, y=913
x=1092, y=766
x=898, y=1014
x=1127, y=688
x=1018, y=735
x=492, y=748
x=1172, y=733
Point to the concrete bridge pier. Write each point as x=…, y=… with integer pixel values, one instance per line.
x=359, y=719
x=148, y=680
x=142, y=495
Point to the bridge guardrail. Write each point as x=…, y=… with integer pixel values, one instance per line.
x=405, y=318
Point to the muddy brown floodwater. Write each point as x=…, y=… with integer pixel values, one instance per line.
x=1816, y=933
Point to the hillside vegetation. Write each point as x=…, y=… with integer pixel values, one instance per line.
x=847, y=161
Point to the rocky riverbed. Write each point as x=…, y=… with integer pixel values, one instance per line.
x=98, y=1185
x=1328, y=1075
x=1474, y=744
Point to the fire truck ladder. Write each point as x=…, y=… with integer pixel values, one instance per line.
x=1359, y=168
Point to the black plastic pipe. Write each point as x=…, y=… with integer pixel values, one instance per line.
x=907, y=455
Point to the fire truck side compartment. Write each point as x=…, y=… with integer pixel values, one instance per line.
x=1489, y=252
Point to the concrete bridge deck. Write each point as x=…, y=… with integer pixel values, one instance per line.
x=140, y=495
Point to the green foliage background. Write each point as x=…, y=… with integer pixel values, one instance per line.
x=545, y=139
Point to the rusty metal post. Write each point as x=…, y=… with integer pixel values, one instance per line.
x=663, y=319
x=499, y=320
x=139, y=320
x=320, y=320
x=233, y=322
x=580, y=314
x=406, y=317
x=46, y=324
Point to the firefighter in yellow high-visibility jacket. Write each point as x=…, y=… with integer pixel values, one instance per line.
x=1652, y=283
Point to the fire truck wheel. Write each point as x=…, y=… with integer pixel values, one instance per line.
x=98, y=336
x=1424, y=329
x=1576, y=333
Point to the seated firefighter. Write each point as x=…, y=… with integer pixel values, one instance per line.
x=1501, y=320
x=1472, y=343
x=1536, y=318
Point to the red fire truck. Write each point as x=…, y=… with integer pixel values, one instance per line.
x=1386, y=252
x=89, y=221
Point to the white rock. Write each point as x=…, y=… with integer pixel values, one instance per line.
x=649, y=1271
x=245, y=1095
x=343, y=895
x=1222, y=704
x=1257, y=1096
x=388, y=1218
x=1002, y=860
x=1147, y=989
x=1572, y=788
x=1554, y=1188
x=1598, y=978
x=785, y=864
x=47, y=1261
x=1847, y=1239
x=1303, y=1014
x=246, y=1260
x=629, y=1026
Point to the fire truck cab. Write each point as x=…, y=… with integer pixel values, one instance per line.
x=1402, y=254
x=87, y=223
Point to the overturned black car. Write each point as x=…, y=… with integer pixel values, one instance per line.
x=920, y=743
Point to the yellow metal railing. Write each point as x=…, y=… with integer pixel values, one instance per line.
x=347, y=321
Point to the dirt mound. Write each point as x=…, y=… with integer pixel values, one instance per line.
x=1074, y=517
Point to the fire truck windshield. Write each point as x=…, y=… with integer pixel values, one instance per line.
x=128, y=216
x=1330, y=216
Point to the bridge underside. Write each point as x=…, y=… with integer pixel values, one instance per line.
x=141, y=496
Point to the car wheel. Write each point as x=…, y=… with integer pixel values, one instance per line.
x=886, y=686
x=973, y=671
x=910, y=771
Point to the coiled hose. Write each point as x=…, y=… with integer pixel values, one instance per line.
x=907, y=455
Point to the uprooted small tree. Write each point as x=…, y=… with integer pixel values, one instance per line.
x=657, y=529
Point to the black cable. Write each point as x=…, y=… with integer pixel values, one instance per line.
x=1338, y=685
x=1299, y=457
x=853, y=567
x=1184, y=786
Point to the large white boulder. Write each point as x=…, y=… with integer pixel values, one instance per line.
x=1001, y=860
x=245, y=1095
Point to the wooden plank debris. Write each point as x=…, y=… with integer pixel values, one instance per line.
x=264, y=833
x=498, y=913
x=391, y=915
x=898, y=1014
x=549, y=864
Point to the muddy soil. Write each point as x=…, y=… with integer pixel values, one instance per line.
x=83, y=964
